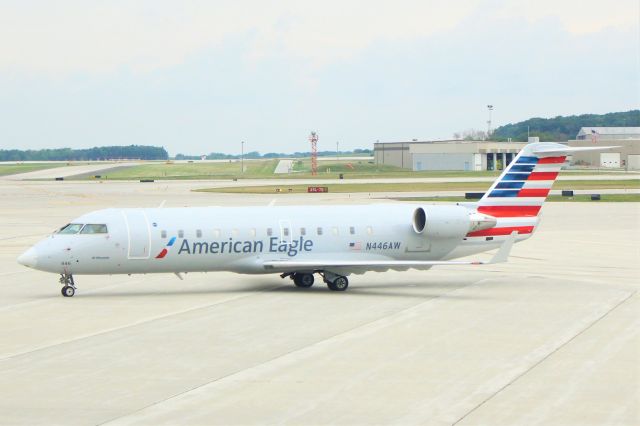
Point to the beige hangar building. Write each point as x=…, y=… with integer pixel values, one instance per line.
x=627, y=156
x=447, y=155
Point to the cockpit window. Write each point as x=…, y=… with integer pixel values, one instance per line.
x=71, y=228
x=92, y=228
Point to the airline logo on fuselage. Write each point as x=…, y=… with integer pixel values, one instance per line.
x=165, y=250
x=272, y=245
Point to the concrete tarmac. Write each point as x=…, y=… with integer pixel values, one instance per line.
x=552, y=337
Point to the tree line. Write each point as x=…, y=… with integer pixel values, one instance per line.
x=257, y=155
x=563, y=128
x=139, y=152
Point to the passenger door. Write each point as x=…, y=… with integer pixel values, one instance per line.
x=139, y=234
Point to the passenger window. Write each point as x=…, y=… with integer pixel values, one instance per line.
x=369, y=230
x=163, y=234
x=303, y=231
x=181, y=234
x=252, y=232
x=269, y=231
x=285, y=231
x=334, y=230
x=199, y=233
x=352, y=230
x=72, y=228
x=216, y=233
x=94, y=229
x=319, y=230
x=235, y=232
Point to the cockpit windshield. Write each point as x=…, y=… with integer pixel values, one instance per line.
x=71, y=228
x=90, y=228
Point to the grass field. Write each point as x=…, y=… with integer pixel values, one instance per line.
x=170, y=170
x=12, y=169
x=604, y=198
x=420, y=187
x=263, y=169
x=367, y=169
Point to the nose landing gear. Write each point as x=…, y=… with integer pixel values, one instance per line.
x=69, y=286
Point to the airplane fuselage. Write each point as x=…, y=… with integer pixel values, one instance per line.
x=241, y=240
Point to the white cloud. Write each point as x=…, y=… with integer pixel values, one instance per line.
x=98, y=37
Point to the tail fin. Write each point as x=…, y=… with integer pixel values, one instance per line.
x=516, y=197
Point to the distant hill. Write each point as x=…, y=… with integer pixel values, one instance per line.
x=561, y=129
x=140, y=152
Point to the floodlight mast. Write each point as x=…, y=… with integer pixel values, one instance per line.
x=490, y=108
x=313, y=138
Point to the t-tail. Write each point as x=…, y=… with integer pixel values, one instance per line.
x=516, y=197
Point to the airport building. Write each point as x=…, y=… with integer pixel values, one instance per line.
x=447, y=155
x=627, y=156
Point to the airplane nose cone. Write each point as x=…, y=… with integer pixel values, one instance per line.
x=29, y=258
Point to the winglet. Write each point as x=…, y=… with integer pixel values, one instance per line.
x=505, y=249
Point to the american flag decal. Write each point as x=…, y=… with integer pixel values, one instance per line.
x=355, y=246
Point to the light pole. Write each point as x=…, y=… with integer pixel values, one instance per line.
x=242, y=157
x=338, y=150
x=490, y=108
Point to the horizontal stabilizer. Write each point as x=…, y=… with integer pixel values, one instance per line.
x=570, y=149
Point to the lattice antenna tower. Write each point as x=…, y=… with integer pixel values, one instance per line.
x=313, y=138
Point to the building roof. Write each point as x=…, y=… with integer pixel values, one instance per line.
x=620, y=131
x=453, y=141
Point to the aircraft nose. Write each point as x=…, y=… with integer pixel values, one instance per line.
x=29, y=258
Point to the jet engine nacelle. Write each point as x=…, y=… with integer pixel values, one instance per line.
x=449, y=221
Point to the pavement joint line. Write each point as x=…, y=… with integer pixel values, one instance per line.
x=544, y=358
x=20, y=236
x=36, y=302
x=133, y=324
x=292, y=351
x=13, y=273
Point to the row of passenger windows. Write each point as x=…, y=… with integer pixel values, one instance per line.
x=217, y=233
x=89, y=228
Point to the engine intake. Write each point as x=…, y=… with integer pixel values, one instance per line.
x=449, y=221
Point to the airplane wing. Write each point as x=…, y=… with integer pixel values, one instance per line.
x=502, y=255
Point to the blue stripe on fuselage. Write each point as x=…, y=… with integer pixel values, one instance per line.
x=171, y=241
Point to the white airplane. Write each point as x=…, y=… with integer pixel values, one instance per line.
x=299, y=242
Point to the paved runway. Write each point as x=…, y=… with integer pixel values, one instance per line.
x=283, y=167
x=87, y=168
x=553, y=337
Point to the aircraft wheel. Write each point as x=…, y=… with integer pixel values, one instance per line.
x=339, y=284
x=303, y=280
x=68, y=291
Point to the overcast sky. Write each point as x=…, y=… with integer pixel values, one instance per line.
x=202, y=76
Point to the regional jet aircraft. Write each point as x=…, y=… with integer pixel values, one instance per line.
x=300, y=242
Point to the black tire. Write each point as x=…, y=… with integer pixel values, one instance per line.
x=68, y=291
x=303, y=280
x=339, y=284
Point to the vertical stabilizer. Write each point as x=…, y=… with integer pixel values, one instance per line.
x=516, y=197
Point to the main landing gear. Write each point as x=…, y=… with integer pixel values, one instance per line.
x=69, y=286
x=335, y=282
